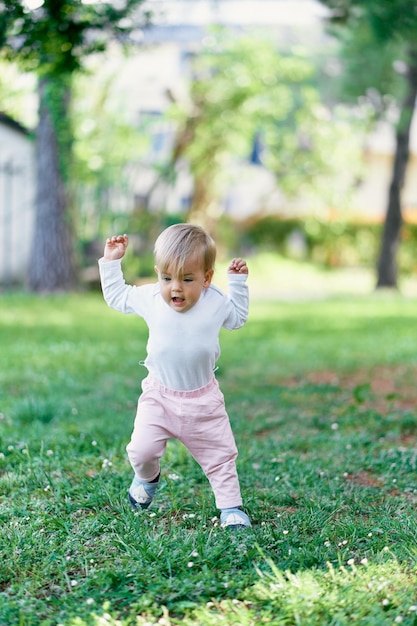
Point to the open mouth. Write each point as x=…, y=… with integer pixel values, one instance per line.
x=177, y=300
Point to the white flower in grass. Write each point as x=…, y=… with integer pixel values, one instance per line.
x=190, y=564
x=285, y=532
x=106, y=463
x=351, y=561
x=194, y=553
x=385, y=602
x=10, y=448
x=327, y=544
x=94, y=442
x=152, y=514
x=173, y=476
x=74, y=583
x=1, y=456
x=364, y=561
x=398, y=619
x=413, y=607
x=47, y=488
x=335, y=426
x=90, y=601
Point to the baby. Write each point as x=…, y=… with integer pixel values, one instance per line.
x=180, y=396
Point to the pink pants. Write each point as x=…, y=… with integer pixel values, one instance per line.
x=199, y=420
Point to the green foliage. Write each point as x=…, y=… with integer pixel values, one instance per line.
x=385, y=28
x=369, y=74
x=106, y=140
x=243, y=87
x=329, y=243
x=389, y=20
x=53, y=41
x=376, y=37
x=370, y=69
x=55, y=38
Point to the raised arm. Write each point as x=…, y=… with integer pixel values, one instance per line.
x=115, y=247
x=238, y=266
x=237, y=273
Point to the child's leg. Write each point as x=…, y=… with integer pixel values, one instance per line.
x=217, y=458
x=208, y=436
x=146, y=447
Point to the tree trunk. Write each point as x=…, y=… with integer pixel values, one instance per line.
x=52, y=266
x=387, y=265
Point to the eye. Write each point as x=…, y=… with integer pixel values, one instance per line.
x=188, y=280
x=166, y=279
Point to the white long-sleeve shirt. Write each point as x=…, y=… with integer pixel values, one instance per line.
x=182, y=348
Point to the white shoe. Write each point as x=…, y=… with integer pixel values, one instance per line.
x=141, y=493
x=234, y=518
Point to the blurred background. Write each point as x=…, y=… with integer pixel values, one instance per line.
x=285, y=127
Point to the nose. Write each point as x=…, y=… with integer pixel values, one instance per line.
x=176, y=284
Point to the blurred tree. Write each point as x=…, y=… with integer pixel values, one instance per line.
x=249, y=102
x=107, y=146
x=52, y=38
x=380, y=60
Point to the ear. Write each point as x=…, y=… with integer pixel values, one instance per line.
x=207, y=278
x=156, y=269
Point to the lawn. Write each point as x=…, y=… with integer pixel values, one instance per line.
x=321, y=394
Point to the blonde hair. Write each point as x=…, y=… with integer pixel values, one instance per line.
x=180, y=242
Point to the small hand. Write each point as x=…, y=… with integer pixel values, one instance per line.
x=115, y=247
x=238, y=266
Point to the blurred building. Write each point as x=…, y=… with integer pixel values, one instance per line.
x=17, y=194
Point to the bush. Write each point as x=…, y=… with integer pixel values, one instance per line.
x=332, y=244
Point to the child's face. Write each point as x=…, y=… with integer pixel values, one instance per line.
x=182, y=292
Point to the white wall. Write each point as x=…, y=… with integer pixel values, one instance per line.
x=16, y=203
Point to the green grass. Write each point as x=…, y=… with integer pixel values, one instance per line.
x=321, y=394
